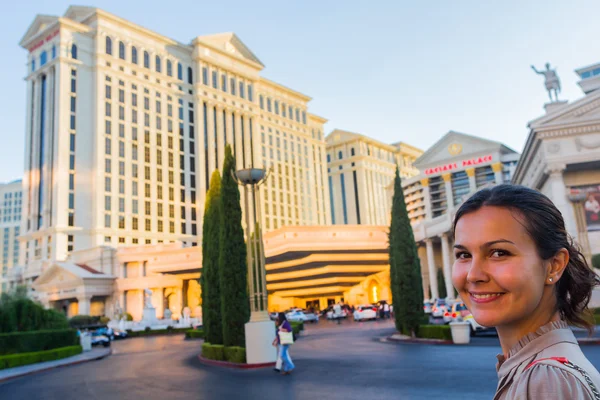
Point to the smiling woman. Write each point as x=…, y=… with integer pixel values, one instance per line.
x=517, y=270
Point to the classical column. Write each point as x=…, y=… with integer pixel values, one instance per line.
x=472, y=183
x=211, y=136
x=426, y=197
x=448, y=186
x=239, y=158
x=558, y=195
x=229, y=128
x=220, y=135
x=578, y=200
x=447, y=266
x=422, y=255
x=497, y=168
x=84, y=304
x=247, y=142
x=433, y=283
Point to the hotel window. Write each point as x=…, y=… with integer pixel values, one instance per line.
x=190, y=75
x=157, y=64
x=169, y=68
x=74, y=52
x=242, y=95
x=283, y=107
x=250, y=92
x=121, y=50
x=205, y=76
x=339, y=155
x=214, y=79
x=32, y=65
x=53, y=52
x=460, y=186
x=146, y=60
x=261, y=100
x=224, y=83
x=148, y=225
x=179, y=71
x=297, y=115
x=291, y=112
x=232, y=86
x=108, y=45
x=351, y=152
x=107, y=220
x=277, y=107
x=268, y=104
x=134, y=55
x=107, y=185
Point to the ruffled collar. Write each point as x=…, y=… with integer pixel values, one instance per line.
x=525, y=340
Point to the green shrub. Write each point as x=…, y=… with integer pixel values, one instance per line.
x=21, y=314
x=17, y=360
x=297, y=327
x=597, y=319
x=104, y=320
x=194, y=334
x=235, y=354
x=27, y=342
x=596, y=261
x=213, y=351
x=434, y=332
x=156, y=332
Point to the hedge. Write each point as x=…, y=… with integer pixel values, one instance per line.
x=17, y=360
x=213, y=351
x=27, y=342
x=434, y=332
x=194, y=334
x=155, y=332
x=297, y=327
x=596, y=261
x=20, y=314
x=218, y=352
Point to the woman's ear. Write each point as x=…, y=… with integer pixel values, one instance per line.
x=556, y=266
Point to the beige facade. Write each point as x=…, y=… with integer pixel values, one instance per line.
x=125, y=127
x=11, y=197
x=561, y=159
x=450, y=171
x=359, y=171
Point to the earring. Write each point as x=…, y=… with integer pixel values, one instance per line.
x=550, y=279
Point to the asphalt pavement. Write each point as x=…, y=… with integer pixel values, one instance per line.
x=346, y=361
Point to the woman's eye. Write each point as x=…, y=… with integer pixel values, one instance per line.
x=500, y=253
x=462, y=255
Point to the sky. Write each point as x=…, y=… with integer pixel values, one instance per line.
x=392, y=70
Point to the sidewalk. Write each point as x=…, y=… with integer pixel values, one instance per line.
x=95, y=354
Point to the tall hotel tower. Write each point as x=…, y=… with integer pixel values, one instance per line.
x=125, y=127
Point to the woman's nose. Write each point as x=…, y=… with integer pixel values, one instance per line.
x=477, y=272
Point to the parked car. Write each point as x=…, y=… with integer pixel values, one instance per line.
x=365, y=312
x=112, y=334
x=458, y=309
x=311, y=316
x=330, y=314
x=427, y=306
x=439, y=308
x=296, y=316
x=99, y=339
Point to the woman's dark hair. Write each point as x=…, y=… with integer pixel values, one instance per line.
x=281, y=317
x=546, y=226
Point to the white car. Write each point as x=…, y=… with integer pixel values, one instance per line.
x=365, y=312
x=332, y=315
x=456, y=311
x=439, y=308
x=311, y=316
x=296, y=316
x=475, y=326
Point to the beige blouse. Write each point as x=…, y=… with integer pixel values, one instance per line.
x=546, y=380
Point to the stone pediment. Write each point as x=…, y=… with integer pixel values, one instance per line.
x=231, y=44
x=63, y=272
x=339, y=136
x=454, y=145
x=79, y=13
x=586, y=109
x=39, y=24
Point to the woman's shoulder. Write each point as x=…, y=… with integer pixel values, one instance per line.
x=550, y=379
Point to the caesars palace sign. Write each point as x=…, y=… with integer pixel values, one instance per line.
x=460, y=164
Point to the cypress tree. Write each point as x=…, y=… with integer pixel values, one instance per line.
x=210, y=279
x=441, y=284
x=405, y=268
x=235, y=308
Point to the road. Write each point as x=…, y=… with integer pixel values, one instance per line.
x=332, y=362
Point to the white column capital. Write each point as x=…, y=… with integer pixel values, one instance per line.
x=555, y=170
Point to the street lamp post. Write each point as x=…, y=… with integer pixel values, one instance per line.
x=260, y=331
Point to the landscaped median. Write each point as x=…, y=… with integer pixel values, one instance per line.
x=18, y=360
x=432, y=334
x=194, y=334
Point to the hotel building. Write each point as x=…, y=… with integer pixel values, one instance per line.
x=10, y=225
x=561, y=159
x=360, y=169
x=124, y=129
x=450, y=171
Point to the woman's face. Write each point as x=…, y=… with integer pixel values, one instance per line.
x=497, y=271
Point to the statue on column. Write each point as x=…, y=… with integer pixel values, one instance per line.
x=148, y=298
x=552, y=82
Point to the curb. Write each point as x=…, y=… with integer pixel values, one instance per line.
x=227, y=364
x=417, y=340
x=2, y=380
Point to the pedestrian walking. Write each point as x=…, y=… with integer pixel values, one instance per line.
x=276, y=343
x=517, y=270
x=386, y=310
x=283, y=340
